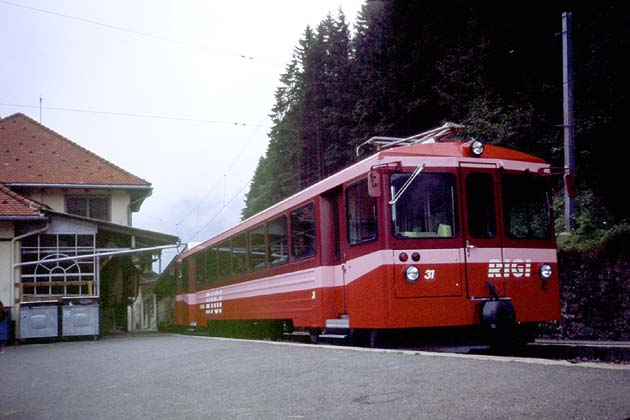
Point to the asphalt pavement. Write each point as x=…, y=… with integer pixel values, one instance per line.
x=163, y=376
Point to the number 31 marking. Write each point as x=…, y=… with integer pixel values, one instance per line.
x=429, y=275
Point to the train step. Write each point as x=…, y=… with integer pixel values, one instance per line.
x=338, y=324
x=327, y=336
x=336, y=329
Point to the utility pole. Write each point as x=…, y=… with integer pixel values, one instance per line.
x=567, y=95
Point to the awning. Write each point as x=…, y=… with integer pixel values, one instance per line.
x=75, y=250
x=145, y=237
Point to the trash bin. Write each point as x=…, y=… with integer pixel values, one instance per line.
x=39, y=319
x=79, y=317
x=5, y=326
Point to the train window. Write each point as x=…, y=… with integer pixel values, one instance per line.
x=278, y=241
x=239, y=254
x=224, y=252
x=211, y=264
x=481, y=213
x=303, y=233
x=184, y=275
x=257, y=248
x=427, y=208
x=360, y=214
x=200, y=268
x=526, y=207
x=182, y=281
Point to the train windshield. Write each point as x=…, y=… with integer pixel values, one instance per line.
x=526, y=207
x=427, y=209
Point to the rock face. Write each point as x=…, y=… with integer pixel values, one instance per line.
x=595, y=291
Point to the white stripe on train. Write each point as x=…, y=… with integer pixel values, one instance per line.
x=332, y=276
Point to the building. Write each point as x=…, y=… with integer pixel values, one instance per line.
x=66, y=228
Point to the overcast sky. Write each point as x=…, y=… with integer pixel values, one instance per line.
x=206, y=70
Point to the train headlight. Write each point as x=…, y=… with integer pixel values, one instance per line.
x=545, y=271
x=476, y=148
x=412, y=273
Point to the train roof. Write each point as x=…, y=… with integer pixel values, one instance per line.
x=448, y=153
x=457, y=149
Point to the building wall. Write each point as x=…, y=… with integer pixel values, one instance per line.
x=52, y=197
x=142, y=314
x=55, y=199
x=120, y=200
x=6, y=234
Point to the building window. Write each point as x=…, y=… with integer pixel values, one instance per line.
x=94, y=207
x=57, y=265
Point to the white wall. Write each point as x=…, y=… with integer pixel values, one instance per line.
x=6, y=291
x=52, y=197
x=142, y=315
x=55, y=199
x=120, y=200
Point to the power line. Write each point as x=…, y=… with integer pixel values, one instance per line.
x=220, y=179
x=139, y=33
x=135, y=115
x=171, y=118
x=220, y=210
x=163, y=117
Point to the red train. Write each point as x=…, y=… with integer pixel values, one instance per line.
x=422, y=233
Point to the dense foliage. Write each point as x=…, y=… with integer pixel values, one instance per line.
x=494, y=66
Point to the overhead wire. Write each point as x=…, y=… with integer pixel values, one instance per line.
x=152, y=116
x=140, y=33
x=163, y=117
x=220, y=210
x=134, y=115
x=213, y=188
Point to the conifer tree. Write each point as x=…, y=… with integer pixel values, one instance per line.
x=411, y=66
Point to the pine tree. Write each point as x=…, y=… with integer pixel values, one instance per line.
x=278, y=173
x=413, y=65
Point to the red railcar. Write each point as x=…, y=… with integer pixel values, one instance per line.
x=422, y=233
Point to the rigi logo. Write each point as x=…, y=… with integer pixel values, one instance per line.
x=509, y=268
x=214, y=302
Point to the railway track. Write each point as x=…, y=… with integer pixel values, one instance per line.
x=569, y=350
x=439, y=341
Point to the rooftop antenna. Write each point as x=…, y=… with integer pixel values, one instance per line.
x=441, y=133
x=40, y=108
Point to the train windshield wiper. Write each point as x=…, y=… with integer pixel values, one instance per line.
x=413, y=176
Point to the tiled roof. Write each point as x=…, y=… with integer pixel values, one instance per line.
x=14, y=205
x=31, y=153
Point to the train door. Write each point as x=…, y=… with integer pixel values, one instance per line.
x=333, y=253
x=483, y=248
x=365, y=268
